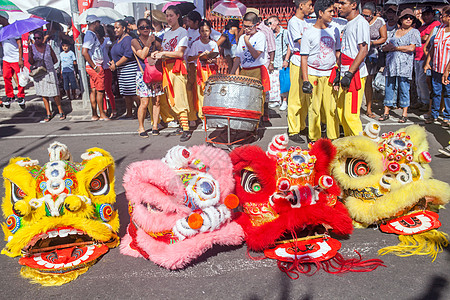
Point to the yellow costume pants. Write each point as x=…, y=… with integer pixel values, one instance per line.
x=179, y=103
x=297, y=102
x=322, y=107
x=350, y=122
x=255, y=73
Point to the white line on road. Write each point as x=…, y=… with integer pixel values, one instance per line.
x=38, y=136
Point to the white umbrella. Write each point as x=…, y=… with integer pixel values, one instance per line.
x=105, y=14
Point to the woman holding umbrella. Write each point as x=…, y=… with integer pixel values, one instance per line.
x=46, y=85
x=174, y=45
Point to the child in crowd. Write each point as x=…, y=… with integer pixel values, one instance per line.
x=203, y=53
x=251, y=52
x=68, y=65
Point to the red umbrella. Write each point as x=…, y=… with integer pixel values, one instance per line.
x=231, y=9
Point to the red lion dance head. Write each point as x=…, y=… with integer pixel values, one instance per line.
x=290, y=203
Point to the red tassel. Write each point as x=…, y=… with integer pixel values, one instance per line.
x=255, y=257
x=336, y=265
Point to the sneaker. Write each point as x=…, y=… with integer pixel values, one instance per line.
x=425, y=116
x=274, y=104
x=445, y=150
x=172, y=124
x=296, y=138
x=7, y=102
x=186, y=136
x=446, y=124
x=283, y=106
x=21, y=102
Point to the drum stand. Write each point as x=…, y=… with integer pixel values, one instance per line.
x=230, y=145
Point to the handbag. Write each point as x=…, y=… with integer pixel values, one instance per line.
x=285, y=79
x=38, y=69
x=152, y=71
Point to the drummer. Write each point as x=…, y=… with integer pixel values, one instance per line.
x=251, y=53
x=203, y=54
x=174, y=45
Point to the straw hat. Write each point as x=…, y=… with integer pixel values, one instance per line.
x=159, y=16
x=253, y=10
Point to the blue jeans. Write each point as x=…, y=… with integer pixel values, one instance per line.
x=403, y=85
x=69, y=77
x=439, y=90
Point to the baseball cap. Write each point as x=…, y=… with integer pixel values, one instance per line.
x=392, y=7
x=92, y=19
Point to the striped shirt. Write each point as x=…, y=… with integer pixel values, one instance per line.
x=441, y=50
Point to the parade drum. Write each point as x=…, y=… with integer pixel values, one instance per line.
x=234, y=98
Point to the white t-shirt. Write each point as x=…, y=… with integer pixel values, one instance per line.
x=92, y=43
x=193, y=35
x=215, y=35
x=11, y=50
x=321, y=45
x=355, y=33
x=258, y=41
x=198, y=47
x=174, y=39
x=296, y=28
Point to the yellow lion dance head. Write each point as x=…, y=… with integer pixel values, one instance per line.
x=59, y=217
x=386, y=181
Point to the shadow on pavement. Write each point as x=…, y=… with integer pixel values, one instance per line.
x=435, y=289
x=9, y=131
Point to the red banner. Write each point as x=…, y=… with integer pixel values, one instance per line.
x=84, y=5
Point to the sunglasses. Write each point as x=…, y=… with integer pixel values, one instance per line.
x=249, y=27
x=408, y=17
x=37, y=38
x=366, y=16
x=144, y=27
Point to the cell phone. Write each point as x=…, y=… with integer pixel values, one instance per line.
x=428, y=73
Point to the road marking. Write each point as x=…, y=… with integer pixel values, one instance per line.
x=38, y=136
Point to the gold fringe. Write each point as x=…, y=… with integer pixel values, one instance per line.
x=47, y=279
x=427, y=243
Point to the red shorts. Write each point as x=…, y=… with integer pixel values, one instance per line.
x=97, y=80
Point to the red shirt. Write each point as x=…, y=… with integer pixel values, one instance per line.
x=425, y=30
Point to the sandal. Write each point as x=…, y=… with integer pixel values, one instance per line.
x=430, y=121
x=47, y=118
x=383, y=117
x=113, y=115
x=371, y=115
x=143, y=134
x=62, y=116
x=155, y=132
x=402, y=119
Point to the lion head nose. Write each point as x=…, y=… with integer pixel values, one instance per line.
x=73, y=203
x=21, y=208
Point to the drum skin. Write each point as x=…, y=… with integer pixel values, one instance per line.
x=237, y=97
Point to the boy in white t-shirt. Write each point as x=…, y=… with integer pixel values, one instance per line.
x=319, y=51
x=251, y=52
x=202, y=52
x=297, y=101
x=354, y=49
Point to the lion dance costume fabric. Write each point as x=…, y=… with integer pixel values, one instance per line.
x=59, y=217
x=387, y=182
x=289, y=202
x=180, y=206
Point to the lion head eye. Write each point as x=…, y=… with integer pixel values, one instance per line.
x=356, y=167
x=100, y=184
x=250, y=182
x=17, y=193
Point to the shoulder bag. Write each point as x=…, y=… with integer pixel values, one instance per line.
x=38, y=69
x=153, y=68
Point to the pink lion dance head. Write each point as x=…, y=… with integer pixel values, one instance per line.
x=180, y=206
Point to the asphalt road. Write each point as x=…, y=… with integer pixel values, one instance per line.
x=222, y=272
